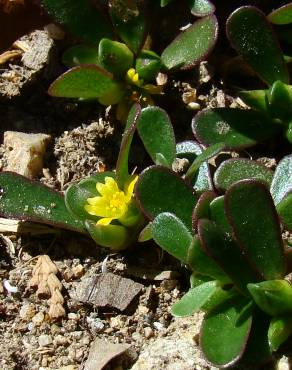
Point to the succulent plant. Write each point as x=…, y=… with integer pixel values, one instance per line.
x=253, y=38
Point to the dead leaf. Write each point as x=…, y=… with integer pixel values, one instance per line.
x=102, y=352
x=48, y=285
x=9, y=55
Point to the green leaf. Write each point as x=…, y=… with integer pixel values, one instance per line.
x=235, y=169
x=80, y=54
x=24, y=199
x=114, y=237
x=218, y=215
x=77, y=194
x=257, y=351
x=208, y=153
x=194, y=299
x=201, y=8
x=202, y=208
x=280, y=330
x=161, y=190
x=280, y=100
x=163, y=3
x=202, y=264
x=236, y=128
x=227, y=254
x=273, y=296
x=115, y=57
x=282, y=181
x=146, y=233
x=80, y=18
x=223, y=336
x=170, y=233
x=129, y=20
x=284, y=209
x=153, y=125
x=191, y=46
x=148, y=64
x=253, y=38
x=122, y=167
x=86, y=82
x=253, y=217
x=281, y=15
x=256, y=99
x=202, y=181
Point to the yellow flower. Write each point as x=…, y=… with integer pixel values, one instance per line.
x=113, y=203
x=133, y=77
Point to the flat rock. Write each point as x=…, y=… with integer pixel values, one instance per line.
x=106, y=290
x=23, y=153
x=102, y=352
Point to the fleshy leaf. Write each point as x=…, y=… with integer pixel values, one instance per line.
x=202, y=181
x=203, y=157
x=122, y=168
x=194, y=299
x=257, y=351
x=146, y=233
x=86, y=82
x=148, y=64
x=227, y=254
x=280, y=330
x=170, y=233
x=235, y=169
x=24, y=199
x=80, y=54
x=223, y=336
x=280, y=100
x=254, y=220
x=80, y=18
x=201, y=8
x=281, y=15
x=162, y=190
x=129, y=20
x=202, y=264
x=115, y=57
x=202, y=208
x=218, y=214
x=77, y=194
x=253, y=37
x=282, y=180
x=256, y=99
x=154, y=124
x=284, y=209
x=273, y=296
x=191, y=46
x=114, y=237
x=236, y=128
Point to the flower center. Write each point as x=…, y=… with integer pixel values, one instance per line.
x=117, y=201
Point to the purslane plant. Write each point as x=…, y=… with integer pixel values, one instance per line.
x=233, y=245
x=121, y=72
x=111, y=74
x=253, y=38
x=103, y=205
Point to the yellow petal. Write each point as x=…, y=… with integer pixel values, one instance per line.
x=131, y=73
x=108, y=188
x=95, y=200
x=129, y=187
x=98, y=211
x=104, y=221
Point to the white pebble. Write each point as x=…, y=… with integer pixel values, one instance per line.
x=9, y=287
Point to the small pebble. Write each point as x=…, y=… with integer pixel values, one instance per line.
x=148, y=332
x=45, y=340
x=73, y=316
x=158, y=326
x=27, y=312
x=38, y=318
x=78, y=271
